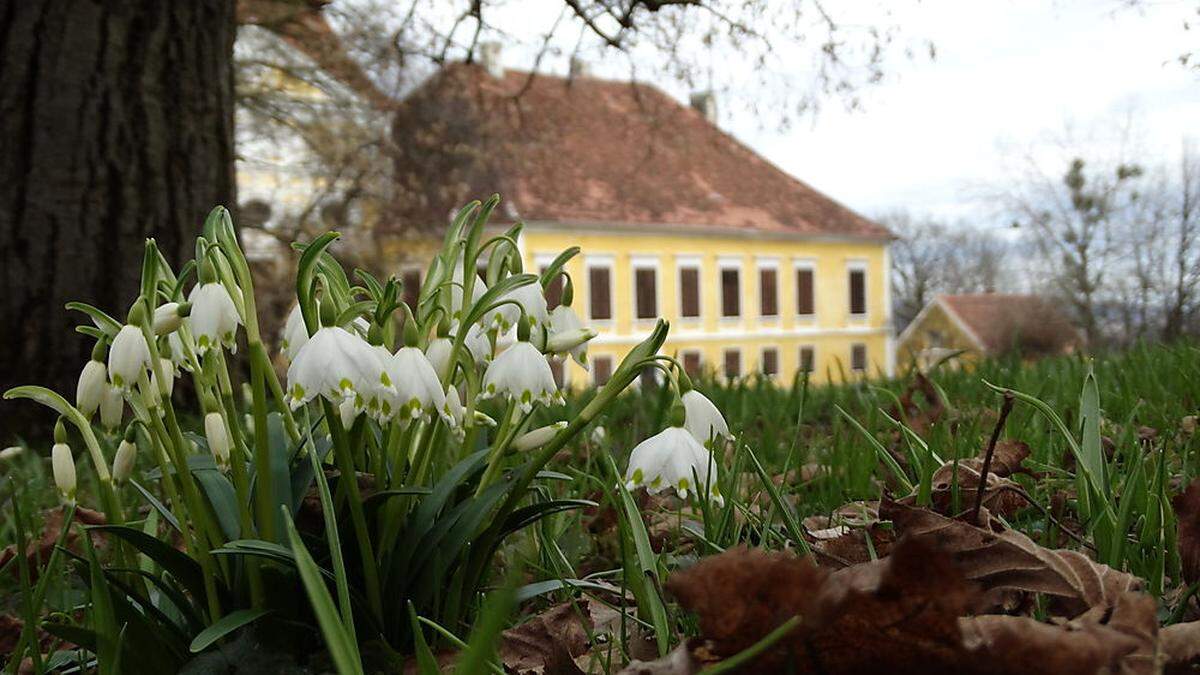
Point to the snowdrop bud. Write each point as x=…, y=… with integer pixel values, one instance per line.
x=90, y=390
x=63, y=465
x=124, y=461
x=129, y=356
x=538, y=437
x=10, y=453
x=438, y=353
x=112, y=407
x=218, y=439
x=167, y=386
x=169, y=317
x=599, y=435
x=702, y=418
x=214, y=317
x=567, y=340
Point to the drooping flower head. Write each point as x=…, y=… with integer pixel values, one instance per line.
x=214, y=318
x=168, y=317
x=295, y=333
x=529, y=300
x=568, y=334
x=336, y=364
x=672, y=458
x=419, y=393
x=90, y=390
x=129, y=355
x=124, y=461
x=218, y=439
x=521, y=374
x=702, y=418
x=63, y=464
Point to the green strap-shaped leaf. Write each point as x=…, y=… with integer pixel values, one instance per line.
x=342, y=648
x=224, y=626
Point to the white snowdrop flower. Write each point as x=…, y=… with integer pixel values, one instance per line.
x=112, y=407
x=10, y=453
x=478, y=344
x=456, y=289
x=599, y=435
x=214, y=318
x=568, y=341
x=335, y=363
x=508, y=338
x=531, y=300
x=438, y=353
x=124, y=462
x=167, y=387
x=564, y=320
x=218, y=439
x=418, y=393
x=167, y=318
x=295, y=333
x=521, y=374
x=535, y=439
x=90, y=390
x=348, y=412
x=128, y=357
x=63, y=464
x=673, y=458
x=453, y=412
x=702, y=418
x=176, y=353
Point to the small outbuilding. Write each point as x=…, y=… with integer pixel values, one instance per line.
x=986, y=324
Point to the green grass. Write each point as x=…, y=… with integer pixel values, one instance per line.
x=781, y=428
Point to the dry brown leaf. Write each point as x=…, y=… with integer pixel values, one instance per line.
x=1187, y=512
x=1011, y=560
x=37, y=552
x=1001, y=495
x=548, y=643
x=1179, y=646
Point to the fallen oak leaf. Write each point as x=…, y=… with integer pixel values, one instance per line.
x=1179, y=647
x=1009, y=559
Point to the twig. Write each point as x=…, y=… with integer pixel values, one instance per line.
x=1005, y=409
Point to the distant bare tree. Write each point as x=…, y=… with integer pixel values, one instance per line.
x=931, y=258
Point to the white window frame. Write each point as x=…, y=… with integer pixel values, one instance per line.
x=859, y=266
x=811, y=265
x=607, y=262
x=800, y=357
x=762, y=357
x=645, y=261
x=741, y=362
x=592, y=367
x=767, y=263
x=695, y=262
x=730, y=263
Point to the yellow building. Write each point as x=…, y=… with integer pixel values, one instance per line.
x=961, y=329
x=756, y=271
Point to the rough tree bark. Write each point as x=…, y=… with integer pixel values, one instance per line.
x=116, y=124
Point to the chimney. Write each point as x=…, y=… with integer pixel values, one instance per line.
x=490, y=57
x=578, y=68
x=705, y=103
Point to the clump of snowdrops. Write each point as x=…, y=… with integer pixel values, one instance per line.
x=423, y=432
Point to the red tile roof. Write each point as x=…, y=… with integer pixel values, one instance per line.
x=1003, y=321
x=593, y=152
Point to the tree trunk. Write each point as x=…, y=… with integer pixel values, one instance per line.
x=116, y=123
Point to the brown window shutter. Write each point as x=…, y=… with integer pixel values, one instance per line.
x=858, y=292
x=768, y=292
x=858, y=357
x=411, y=280
x=730, y=293
x=804, y=293
x=770, y=362
x=554, y=290
x=691, y=363
x=646, y=293
x=689, y=292
x=733, y=363
x=806, y=360
x=601, y=369
x=600, y=293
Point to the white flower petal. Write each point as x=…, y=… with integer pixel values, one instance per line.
x=128, y=357
x=702, y=418
x=521, y=374
x=214, y=318
x=673, y=458
x=90, y=390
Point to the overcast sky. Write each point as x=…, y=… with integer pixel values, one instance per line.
x=1010, y=77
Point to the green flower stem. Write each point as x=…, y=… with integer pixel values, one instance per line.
x=349, y=484
x=241, y=483
x=264, y=488
x=199, y=514
x=504, y=436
